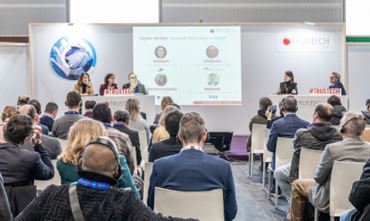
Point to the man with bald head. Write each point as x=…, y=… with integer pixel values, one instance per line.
x=319, y=134
x=52, y=145
x=95, y=193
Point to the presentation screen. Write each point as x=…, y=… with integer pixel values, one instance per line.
x=198, y=65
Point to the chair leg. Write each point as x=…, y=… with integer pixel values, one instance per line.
x=264, y=175
x=269, y=186
x=251, y=168
x=316, y=214
x=276, y=195
x=250, y=164
x=332, y=218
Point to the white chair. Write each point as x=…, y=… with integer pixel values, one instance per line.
x=308, y=161
x=63, y=143
x=42, y=184
x=283, y=155
x=202, y=205
x=267, y=158
x=343, y=175
x=258, y=143
x=148, y=169
x=143, y=145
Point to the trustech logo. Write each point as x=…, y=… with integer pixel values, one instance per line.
x=307, y=41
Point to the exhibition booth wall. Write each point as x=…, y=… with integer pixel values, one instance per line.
x=267, y=50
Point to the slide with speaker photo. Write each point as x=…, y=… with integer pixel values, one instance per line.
x=194, y=65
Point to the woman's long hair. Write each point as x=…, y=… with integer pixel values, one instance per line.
x=107, y=78
x=291, y=75
x=79, y=81
x=132, y=106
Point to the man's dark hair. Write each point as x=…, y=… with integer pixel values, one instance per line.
x=51, y=107
x=36, y=104
x=121, y=116
x=90, y=104
x=367, y=102
x=18, y=129
x=334, y=100
x=172, y=122
x=73, y=99
x=289, y=104
x=22, y=100
x=101, y=112
x=265, y=102
x=324, y=111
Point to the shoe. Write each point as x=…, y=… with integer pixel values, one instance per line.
x=272, y=192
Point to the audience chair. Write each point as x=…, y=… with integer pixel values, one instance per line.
x=63, y=143
x=148, y=169
x=366, y=134
x=143, y=145
x=259, y=141
x=343, y=175
x=202, y=205
x=309, y=160
x=42, y=184
x=283, y=155
x=267, y=158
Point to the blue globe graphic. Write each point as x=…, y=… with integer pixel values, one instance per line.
x=70, y=57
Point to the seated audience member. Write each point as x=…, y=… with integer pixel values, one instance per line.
x=160, y=133
x=5, y=213
x=192, y=169
x=37, y=105
x=260, y=117
x=121, y=122
x=50, y=113
x=317, y=190
x=359, y=197
x=137, y=122
x=108, y=83
x=22, y=100
x=167, y=100
x=7, y=113
x=336, y=83
x=270, y=115
x=170, y=146
x=338, y=109
x=286, y=126
x=367, y=112
x=61, y=125
x=21, y=167
x=81, y=133
x=98, y=198
x=51, y=144
x=83, y=85
x=126, y=162
x=89, y=105
x=316, y=137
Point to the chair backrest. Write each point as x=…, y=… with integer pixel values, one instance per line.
x=202, y=205
x=63, y=143
x=41, y=184
x=308, y=162
x=342, y=177
x=366, y=134
x=259, y=138
x=143, y=145
x=148, y=168
x=284, y=151
x=267, y=155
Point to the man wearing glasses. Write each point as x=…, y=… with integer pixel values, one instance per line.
x=134, y=85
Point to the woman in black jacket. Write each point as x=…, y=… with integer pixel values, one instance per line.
x=20, y=167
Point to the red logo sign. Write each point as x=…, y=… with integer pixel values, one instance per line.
x=286, y=41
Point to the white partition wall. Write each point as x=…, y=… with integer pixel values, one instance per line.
x=358, y=57
x=267, y=51
x=13, y=73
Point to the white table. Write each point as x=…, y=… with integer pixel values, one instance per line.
x=307, y=103
x=147, y=103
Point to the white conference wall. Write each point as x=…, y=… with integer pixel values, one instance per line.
x=263, y=63
x=358, y=56
x=13, y=73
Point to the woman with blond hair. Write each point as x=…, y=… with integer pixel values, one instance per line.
x=160, y=133
x=136, y=123
x=166, y=100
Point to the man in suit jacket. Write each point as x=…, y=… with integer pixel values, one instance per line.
x=286, y=126
x=51, y=144
x=192, y=169
x=169, y=146
x=5, y=213
x=335, y=82
x=134, y=85
x=50, y=113
x=317, y=190
x=121, y=120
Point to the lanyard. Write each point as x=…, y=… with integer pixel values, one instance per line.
x=71, y=112
x=93, y=184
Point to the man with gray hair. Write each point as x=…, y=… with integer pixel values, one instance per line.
x=335, y=82
x=192, y=169
x=51, y=144
x=317, y=190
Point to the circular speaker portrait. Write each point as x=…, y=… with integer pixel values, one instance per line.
x=160, y=52
x=161, y=79
x=212, y=51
